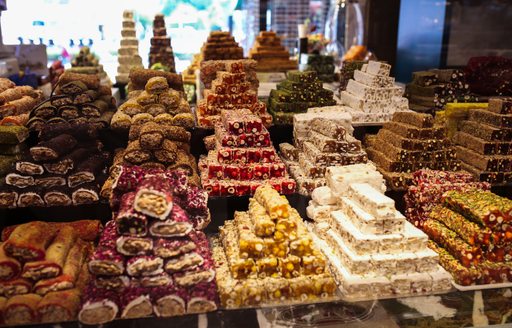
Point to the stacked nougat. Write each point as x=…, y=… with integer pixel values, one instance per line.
x=161, y=50
x=270, y=54
x=128, y=53
x=221, y=45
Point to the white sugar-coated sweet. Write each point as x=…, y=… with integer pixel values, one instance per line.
x=378, y=68
x=441, y=279
x=323, y=196
x=320, y=213
x=364, y=68
x=354, y=263
x=373, y=80
x=340, y=178
x=414, y=239
x=363, y=91
x=372, y=200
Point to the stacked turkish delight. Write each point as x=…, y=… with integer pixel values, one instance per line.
x=161, y=50
x=208, y=71
x=323, y=65
x=408, y=143
x=270, y=54
x=373, y=250
x=128, y=53
x=221, y=45
x=242, y=158
x=86, y=62
x=266, y=256
x=320, y=141
x=471, y=232
x=151, y=258
x=300, y=91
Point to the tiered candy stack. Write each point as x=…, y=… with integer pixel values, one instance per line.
x=16, y=102
x=151, y=259
x=161, y=50
x=372, y=95
x=428, y=188
x=242, y=158
x=157, y=103
x=266, y=256
x=484, y=142
x=323, y=66
x=128, y=53
x=320, y=141
x=347, y=72
x=372, y=249
x=209, y=69
x=270, y=54
x=67, y=166
x=139, y=77
x=230, y=91
x=408, y=143
x=300, y=91
x=221, y=45
x=471, y=232
x=85, y=62
x=12, y=145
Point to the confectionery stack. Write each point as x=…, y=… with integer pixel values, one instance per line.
x=428, y=188
x=347, y=72
x=270, y=54
x=78, y=99
x=128, y=53
x=322, y=65
x=157, y=103
x=372, y=95
x=372, y=249
x=208, y=71
x=408, y=143
x=151, y=258
x=161, y=50
x=43, y=270
x=66, y=167
x=230, y=91
x=85, y=62
x=484, y=142
x=471, y=232
x=320, y=141
x=221, y=45
x=242, y=158
x=12, y=145
x=139, y=77
x=266, y=256
x=16, y=102
x=300, y=91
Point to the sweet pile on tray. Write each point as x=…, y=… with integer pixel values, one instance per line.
x=12, y=146
x=151, y=258
x=208, y=71
x=373, y=251
x=44, y=270
x=221, y=45
x=161, y=50
x=86, y=62
x=16, y=102
x=266, y=256
x=139, y=77
x=471, y=232
x=270, y=54
x=241, y=157
x=300, y=91
x=408, y=143
x=320, y=141
x=128, y=53
x=322, y=65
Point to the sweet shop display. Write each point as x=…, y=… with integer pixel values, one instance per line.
x=12, y=146
x=408, y=143
x=161, y=50
x=16, y=102
x=221, y=45
x=86, y=62
x=373, y=251
x=242, y=158
x=322, y=65
x=128, y=53
x=139, y=78
x=321, y=141
x=270, y=54
x=300, y=91
x=209, y=69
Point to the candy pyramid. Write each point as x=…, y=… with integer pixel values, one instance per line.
x=270, y=54
x=161, y=50
x=86, y=62
x=128, y=53
x=221, y=45
x=208, y=71
x=322, y=65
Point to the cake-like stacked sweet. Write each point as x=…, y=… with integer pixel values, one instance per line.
x=484, y=142
x=323, y=66
x=300, y=91
x=161, y=50
x=230, y=91
x=373, y=92
x=209, y=69
x=16, y=102
x=221, y=45
x=270, y=54
x=471, y=232
x=150, y=258
x=372, y=249
x=266, y=256
x=85, y=62
x=128, y=53
x=320, y=141
x=408, y=143
x=241, y=158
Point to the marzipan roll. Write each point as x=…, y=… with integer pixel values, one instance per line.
x=29, y=241
x=87, y=171
x=53, y=148
x=21, y=309
x=92, y=81
x=59, y=306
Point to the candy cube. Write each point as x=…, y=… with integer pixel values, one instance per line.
x=289, y=266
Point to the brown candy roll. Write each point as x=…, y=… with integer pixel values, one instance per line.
x=103, y=121
x=17, y=93
x=61, y=100
x=164, y=119
x=53, y=148
x=85, y=194
x=185, y=120
x=131, y=108
x=8, y=198
x=87, y=230
x=168, y=152
x=17, y=286
x=92, y=81
x=156, y=85
x=131, y=246
x=57, y=197
x=59, y=306
x=114, y=283
x=30, y=198
x=29, y=168
x=45, y=110
x=140, y=76
x=21, y=309
x=10, y=268
x=19, y=106
x=151, y=135
x=154, y=109
x=73, y=88
x=67, y=163
x=135, y=154
x=29, y=241
x=142, y=118
x=170, y=99
x=18, y=180
x=47, y=182
x=81, y=132
x=145, y=98
x=87, y=171
x=85, y=97
x=94, y=109
x=69, y=112
x=5, y=84
x=121, y=121
x=36, y=123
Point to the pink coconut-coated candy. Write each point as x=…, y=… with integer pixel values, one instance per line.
x=166, y=248
x=169, y=301
x=106, y=262
x=108, y=236
x=136, y=297
x=203, y=297
x=162, y=279
x=154, y=186
x=115, y=283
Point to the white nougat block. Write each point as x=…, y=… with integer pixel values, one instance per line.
x=441, y=280
x=378, y=68
x=323, y=196
x=372, y=200
x=377, y=81
x=366, y=92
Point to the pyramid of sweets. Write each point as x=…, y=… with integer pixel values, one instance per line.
x=243, y=158
x=230, y=91
x=428, y=187
x=16, y=102
x=300, y=91
x=139, y=77
x=221, y=45
x=44, y=270
x=161, y=50
x=208, y=71
x=158, y=103
x=373, y=251
x=347, y=72
x=86, y=62
x=323, y=65
x=270, y=54
x=471, y=232
x=128, y=53
x=266, y=255
x=12, y=146
x=410, y=142
x=484, y=142
x=66, y=167
x=77, y=99
x=320, y=142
